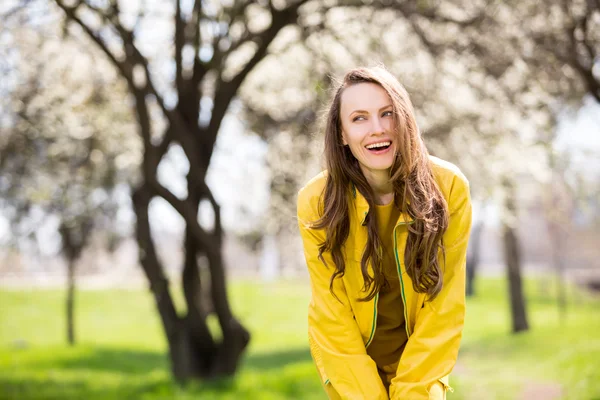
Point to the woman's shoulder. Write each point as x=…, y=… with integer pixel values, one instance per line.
x=443, y=169
x=450, y=179
x=310, y=194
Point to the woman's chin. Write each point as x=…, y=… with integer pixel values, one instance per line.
x=376, y=167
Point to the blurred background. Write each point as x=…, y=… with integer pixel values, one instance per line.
x=150, y=156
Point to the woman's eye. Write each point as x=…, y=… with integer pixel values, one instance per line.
x=360, y=117
x=387, y=114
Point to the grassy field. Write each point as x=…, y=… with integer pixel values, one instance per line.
x=121, y=350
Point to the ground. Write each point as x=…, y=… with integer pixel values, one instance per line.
x=121, y=349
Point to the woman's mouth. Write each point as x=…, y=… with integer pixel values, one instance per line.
x=379, y=147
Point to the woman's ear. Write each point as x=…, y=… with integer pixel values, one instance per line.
x=344, y=141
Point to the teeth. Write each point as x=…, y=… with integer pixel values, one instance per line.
x=376, y=145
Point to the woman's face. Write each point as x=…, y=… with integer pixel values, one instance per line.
x=366, y=116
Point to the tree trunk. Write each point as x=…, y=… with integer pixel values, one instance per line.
x=192, y=349
x=474, y=258
x=177, y=337
x=222, y=359
x=558, y=240
x=201, y=340
x=557, y=217
x=74, y=235
x=70, y=302
x=512, y=256
x=235, y=336
x=517, y=298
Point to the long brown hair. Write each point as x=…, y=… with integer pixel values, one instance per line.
x=415, y=193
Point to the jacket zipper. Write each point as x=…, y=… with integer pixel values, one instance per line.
x=406, y=322
x=373, y=327
x=374, y=321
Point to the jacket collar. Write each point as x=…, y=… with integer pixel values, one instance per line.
x=362, y=209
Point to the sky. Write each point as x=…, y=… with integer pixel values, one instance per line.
x=579, y=134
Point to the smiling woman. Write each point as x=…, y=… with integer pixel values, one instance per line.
x=385, y=232
x=367, y=118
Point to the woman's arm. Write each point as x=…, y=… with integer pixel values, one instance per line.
x=432, y=349
x=336, y=344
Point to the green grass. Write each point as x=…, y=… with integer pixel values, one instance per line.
x=553, y=354
x=121, y=352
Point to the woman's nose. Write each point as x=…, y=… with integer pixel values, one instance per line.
x=377, y=126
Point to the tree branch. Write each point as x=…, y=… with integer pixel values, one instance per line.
x=186, y=210
x=179, y=42
x=162, y=148
x=122, y=66
x=585, y=71
x=226, y=90
x=132, y=55
x=199, y=69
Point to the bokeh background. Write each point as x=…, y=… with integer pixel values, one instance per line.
x=150, y=156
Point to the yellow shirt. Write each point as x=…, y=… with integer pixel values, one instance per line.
x=390, y=333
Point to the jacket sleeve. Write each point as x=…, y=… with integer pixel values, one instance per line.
x=336, y=344
x=432, y=348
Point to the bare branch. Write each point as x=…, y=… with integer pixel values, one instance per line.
x=410, y=8
x=187, y=211
x=132, y=54
x=247, y=37
x=199, y=69
x=179, y=42
x=121, y=65
x=133, y=57
x=226, y=90
x=238, y=9
x=162, y=148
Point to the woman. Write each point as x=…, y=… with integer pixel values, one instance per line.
x=385, y=231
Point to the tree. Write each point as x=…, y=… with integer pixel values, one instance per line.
x=474, y=257
x=563, y=41
x=215, y=47
x=513, y=260
x=58, y=156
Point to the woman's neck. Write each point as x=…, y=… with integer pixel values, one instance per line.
x=379, y=180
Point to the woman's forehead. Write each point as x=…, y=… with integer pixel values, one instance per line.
x=364, y=96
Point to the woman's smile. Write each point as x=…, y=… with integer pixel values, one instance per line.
x=379, y=147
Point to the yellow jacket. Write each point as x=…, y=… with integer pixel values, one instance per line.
x=340, y=331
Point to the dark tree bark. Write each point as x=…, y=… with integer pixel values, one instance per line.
x=512, y=254
x=159, y=286
x=71, y=302
x=74, y=235
x=474, y=257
